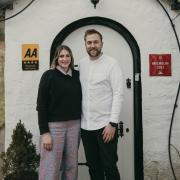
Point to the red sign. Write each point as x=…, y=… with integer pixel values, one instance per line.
x=160, y=64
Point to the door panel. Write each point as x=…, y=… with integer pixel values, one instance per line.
x=117, y=47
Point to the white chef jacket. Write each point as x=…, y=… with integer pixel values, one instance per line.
x=102, y=90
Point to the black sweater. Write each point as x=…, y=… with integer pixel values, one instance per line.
x=59, y=98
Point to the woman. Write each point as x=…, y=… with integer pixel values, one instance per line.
x=59, y=111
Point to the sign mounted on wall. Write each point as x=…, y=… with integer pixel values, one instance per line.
x=160, y=64
x=30, y=56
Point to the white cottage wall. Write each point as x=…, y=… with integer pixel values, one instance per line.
x=147, y=22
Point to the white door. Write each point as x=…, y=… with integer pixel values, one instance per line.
x=117, y=47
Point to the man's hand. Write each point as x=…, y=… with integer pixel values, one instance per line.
x=47, y=141
x=108, y=133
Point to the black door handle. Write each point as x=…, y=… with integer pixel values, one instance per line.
x=121, y=129
x=128, y=83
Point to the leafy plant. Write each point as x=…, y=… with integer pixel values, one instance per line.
x=20, y=162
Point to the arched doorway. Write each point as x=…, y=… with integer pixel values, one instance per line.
x=136, y=75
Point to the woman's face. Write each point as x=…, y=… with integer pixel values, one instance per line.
x=64, y=59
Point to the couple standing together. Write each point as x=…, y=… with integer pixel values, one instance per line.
x=86, y=103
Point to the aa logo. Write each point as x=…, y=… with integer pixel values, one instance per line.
x=30, y=52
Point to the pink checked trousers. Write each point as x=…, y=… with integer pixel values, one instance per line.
x=61, y=163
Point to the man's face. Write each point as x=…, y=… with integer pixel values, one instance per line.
x=93, y=45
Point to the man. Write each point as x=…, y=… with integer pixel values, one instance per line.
x=101, y=81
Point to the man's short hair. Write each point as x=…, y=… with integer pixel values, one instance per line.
x=92, y=31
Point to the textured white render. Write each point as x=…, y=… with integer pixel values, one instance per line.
x=149, y=25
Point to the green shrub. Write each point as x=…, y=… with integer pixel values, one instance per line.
x=20, y=162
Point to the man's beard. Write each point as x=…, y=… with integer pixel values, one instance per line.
x=94, y=52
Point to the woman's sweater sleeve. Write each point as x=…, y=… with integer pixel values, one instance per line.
x=43, y=101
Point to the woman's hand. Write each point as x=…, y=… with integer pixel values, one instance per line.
x=47, y=141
